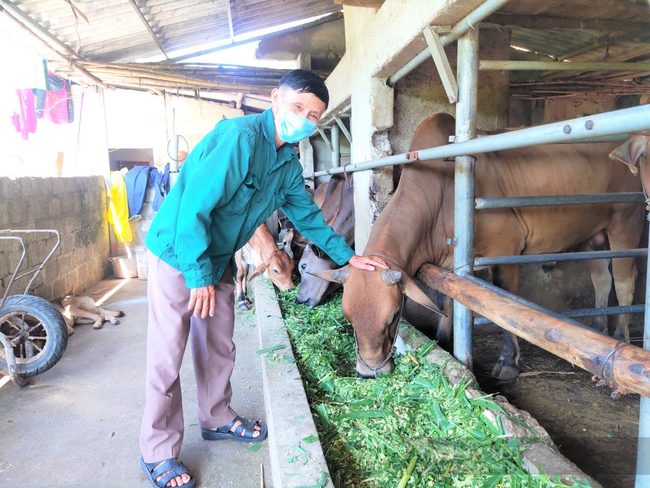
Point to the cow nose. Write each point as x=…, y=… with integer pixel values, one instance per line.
x=291, y=289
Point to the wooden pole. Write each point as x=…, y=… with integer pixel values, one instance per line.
x=619, y=363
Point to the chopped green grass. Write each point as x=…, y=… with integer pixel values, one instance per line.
x=410, y=428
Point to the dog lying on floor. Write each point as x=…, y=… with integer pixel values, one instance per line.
x=78, y=310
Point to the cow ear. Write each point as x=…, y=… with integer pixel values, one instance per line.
x=333, y=275
x=258, y=271
x=413, y=291
x=630, y=152
x=287, y=242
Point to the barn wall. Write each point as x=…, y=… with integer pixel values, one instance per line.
x=74, y=206
x=142, y=120
x=421, y=94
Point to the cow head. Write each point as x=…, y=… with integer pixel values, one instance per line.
x=280, y=270
x=312, y=288
x=372, y=302
x=633, y=153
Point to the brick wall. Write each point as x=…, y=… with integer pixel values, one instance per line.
x=76, y=207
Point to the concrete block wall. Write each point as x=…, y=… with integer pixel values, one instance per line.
x=74, y=206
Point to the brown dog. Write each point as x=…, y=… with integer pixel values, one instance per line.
x=78, y=310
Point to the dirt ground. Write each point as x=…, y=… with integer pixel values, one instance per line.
x=596, y=432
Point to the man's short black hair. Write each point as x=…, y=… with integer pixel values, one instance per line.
x=305, y=81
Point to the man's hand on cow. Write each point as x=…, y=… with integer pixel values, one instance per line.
x=203, y=301
x=368, y=263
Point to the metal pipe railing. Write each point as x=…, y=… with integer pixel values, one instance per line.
x=581, y=312
x=464, y=188
x=560, y=256
x=516, y=298
x=558, y=200
x=643, y=449
x=634, y=119
x=469, y=22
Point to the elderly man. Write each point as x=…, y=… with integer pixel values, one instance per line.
x=230, y=183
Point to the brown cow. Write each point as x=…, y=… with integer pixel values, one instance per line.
x=414, y=227
x=262, y=251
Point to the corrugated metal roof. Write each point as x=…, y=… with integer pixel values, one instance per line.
x=113, y=31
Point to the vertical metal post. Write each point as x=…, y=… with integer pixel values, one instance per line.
x=336, y=146
x=464, y=187
x=643, y=449
x=173, y=156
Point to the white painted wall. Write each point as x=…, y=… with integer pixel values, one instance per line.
x=142, y=120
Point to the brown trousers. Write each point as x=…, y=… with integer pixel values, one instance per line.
x=213, y=354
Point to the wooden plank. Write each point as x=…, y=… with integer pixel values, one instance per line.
x=442, y=64
x=360, y=3
x=621, y=364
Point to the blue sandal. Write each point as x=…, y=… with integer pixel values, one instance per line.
x=152, y=470
x=246, y=426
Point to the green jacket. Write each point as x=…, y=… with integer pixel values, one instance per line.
x=231, y=182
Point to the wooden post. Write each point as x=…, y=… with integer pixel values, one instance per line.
x=619, y=363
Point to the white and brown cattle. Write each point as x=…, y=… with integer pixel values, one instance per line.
x=413, y=229
x=262, y=252
x=338, y=212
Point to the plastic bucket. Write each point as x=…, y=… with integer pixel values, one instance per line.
x=141, y=262
x=124, y=266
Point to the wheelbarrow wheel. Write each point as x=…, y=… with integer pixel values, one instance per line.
x=37, y=332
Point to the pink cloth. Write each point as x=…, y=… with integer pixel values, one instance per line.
x=25, y=122
x=213, y=353
x=56, y=106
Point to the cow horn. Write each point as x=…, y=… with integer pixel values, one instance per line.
x=391, y=276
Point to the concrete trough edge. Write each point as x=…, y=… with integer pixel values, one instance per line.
x=288, y=415
x=290, y=421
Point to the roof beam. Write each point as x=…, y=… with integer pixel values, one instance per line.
x=66, y=58
x=146, y=24
x=544, y=22
x=36, y=29
x=230, y=25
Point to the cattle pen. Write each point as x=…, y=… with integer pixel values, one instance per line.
x=620, y=363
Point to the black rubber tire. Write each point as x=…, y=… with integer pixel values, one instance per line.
x=49, y=328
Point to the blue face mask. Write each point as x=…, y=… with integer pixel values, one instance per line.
x=293, y=127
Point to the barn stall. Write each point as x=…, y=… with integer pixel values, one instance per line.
x=375, y=104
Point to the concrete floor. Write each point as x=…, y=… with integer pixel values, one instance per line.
x=77, y=425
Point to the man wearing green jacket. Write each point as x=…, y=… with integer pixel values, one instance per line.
x=231, y=182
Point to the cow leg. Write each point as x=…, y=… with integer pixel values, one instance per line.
x=600, y=277
x=507, y=367
x=625, y=273
x=446, y=325
x=602, y=281
x=624, y=232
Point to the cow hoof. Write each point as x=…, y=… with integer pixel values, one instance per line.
x=244, y=305
x=98, y=326
x=115, y=321
x=505, y=372
x=599, y=324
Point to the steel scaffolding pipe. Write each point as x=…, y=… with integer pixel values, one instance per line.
x=643, y=450
x=557, y=200
x=466, y=109
x=470, y=22
x=583, y=312
x=617, y=362
x=633, y=119
x=560, y=256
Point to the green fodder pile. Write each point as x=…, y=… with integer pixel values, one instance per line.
x=407, y=429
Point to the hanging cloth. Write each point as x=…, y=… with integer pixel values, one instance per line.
x=118, y=208
x=136, y=180
x=25, y=122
